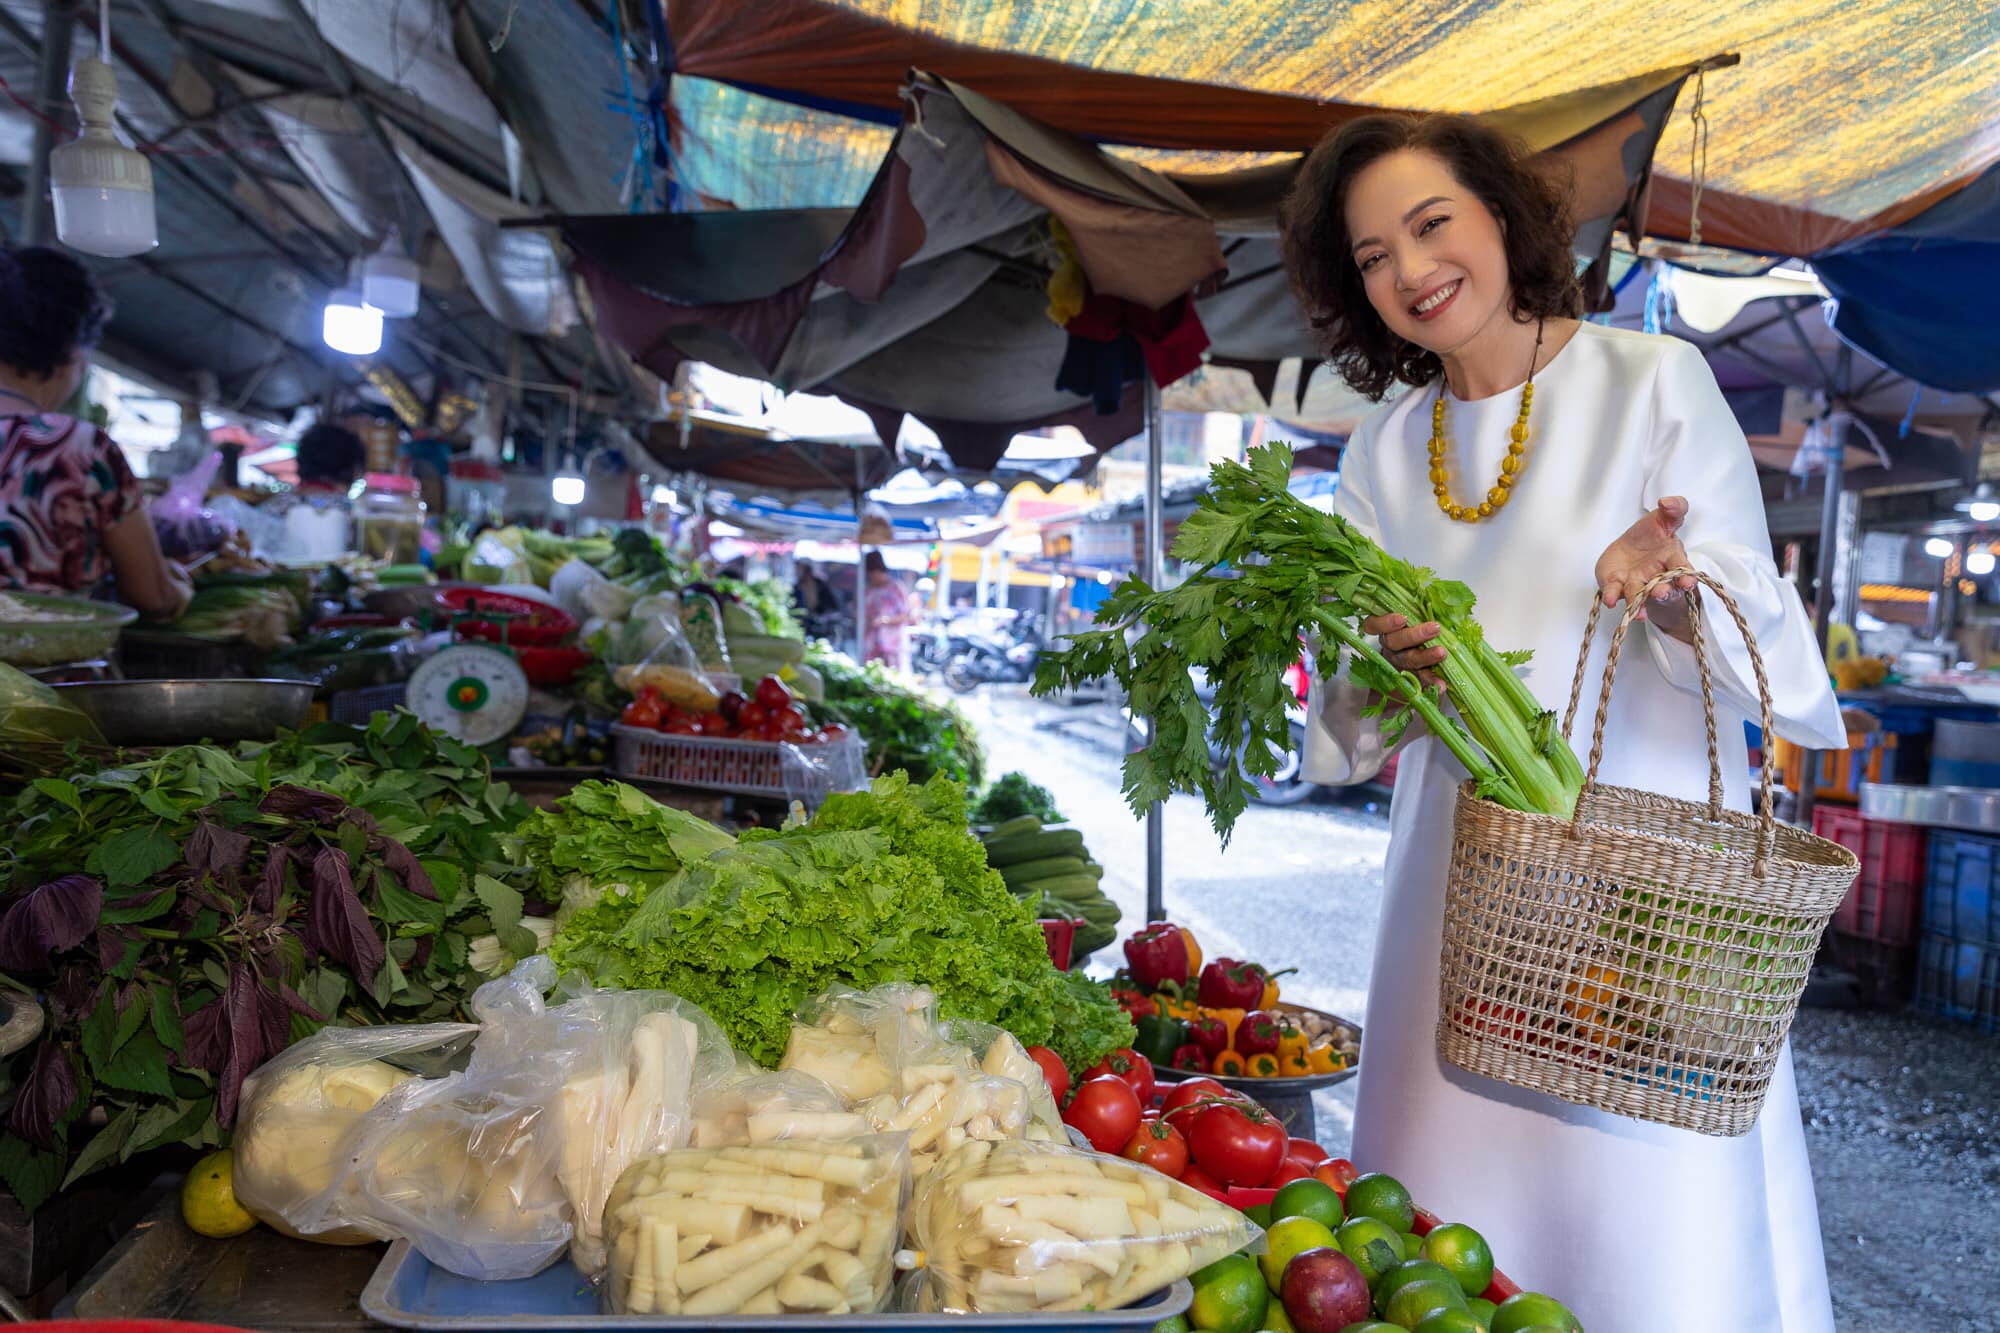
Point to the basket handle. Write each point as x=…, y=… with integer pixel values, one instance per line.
x=1635, y=603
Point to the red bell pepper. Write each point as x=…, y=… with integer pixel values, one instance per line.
x=1229, y=984
x=1191, y=1057
x=1258, y=1034
x=1133, y=1003
x=1211, y=1034
x=1157, y=954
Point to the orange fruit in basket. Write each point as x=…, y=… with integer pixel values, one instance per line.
x=1594, y=1004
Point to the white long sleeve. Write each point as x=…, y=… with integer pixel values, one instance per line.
x=1700, y=454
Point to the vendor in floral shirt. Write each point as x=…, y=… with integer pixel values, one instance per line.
x=71, y=511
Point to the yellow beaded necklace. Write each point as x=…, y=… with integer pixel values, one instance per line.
x=1510, y=466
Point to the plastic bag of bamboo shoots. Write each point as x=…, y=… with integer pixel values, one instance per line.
x=908, y=1071
x=768, y=1108
x=1006, y=1228
x=640, y=1060
x=800, y=1227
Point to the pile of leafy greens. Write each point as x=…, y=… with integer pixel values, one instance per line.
x=1013, y=795
x=608, y=838
x=184, y=916
x=904, y=728
x=882, y=885
x=1274, y=570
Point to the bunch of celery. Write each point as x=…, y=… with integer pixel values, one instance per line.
x=1275, y=570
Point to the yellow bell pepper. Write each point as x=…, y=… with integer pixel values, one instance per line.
x=1324, y=1060
x=1291, y=1041
x=1263, y=1065
x=1231, y=1018
x=1295, y=1065
x=1184, y=1010
x=1194, y=956
x=1270, y=994
x=1228, y=1062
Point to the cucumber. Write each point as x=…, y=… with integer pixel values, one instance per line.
x=1088, y=940
x=1070, y=888
x=1017, y=825
x=1102, y=914
x=1034, y=846
x=768, y=647
x=1048, y=867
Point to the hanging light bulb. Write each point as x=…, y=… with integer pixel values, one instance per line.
x=1982, y=505
x=664, y=495
x=1979, y=563
x=103, y=190
x=1937, y=548
x=350, y=324
x=566, y=487
x=391, y=280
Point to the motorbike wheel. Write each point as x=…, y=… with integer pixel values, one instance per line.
x=960, y=675
x=1288, y=785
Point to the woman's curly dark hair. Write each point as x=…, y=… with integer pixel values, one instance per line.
x=1530, y=201
x=50, y=308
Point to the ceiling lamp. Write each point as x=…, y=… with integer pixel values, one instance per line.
x=350, y=324
x=1981, y=504
x=103, y=190
x=391, y=280
x=1937, y=548
x=1979, y=563
x=567, y=488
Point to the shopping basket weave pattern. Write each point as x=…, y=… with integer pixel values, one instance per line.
x=1646, y=957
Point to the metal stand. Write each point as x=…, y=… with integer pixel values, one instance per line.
x=1156, y=572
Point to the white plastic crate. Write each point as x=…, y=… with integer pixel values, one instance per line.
x=807, y=773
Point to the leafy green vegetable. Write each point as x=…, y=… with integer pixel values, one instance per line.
x=903, y=728
x=1298, y=573
x=1013, y=795
x=606, y=837
x=769, y=600
x=1088, y=1022
x=882, y=885
x=235, y=901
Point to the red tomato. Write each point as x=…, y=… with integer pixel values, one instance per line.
x=1189, y=1099
x=832, y=731
x=1131, y=1066
x=730, y=704
x=1159, y=1146
x=1337, y=1172
x=1105, y=1111
x=1307, y=1149
x=771, y=730
x=771, y=693
x=1204, y=1182
x=681, y=726
x=751, y=716
x=643, y=711
x=1289, y=1169
x=1235, y=1146
x=1053, y=1069
x=792, y=722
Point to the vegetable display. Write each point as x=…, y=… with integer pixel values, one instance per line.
x=903, y=727
x=1050, y=867
x=186, y=915
x=881, y=885
x=1273, y=570
x=1013, y=795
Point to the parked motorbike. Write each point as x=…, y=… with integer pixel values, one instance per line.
x=1286, y=784
x=989, y=657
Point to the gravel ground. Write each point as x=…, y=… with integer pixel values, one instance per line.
x=1900, y=1111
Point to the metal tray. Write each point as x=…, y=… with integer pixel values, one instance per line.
x=1267, y=1088
x=1976, y=809
x=408, y=1291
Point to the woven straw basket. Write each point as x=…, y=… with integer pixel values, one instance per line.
x=1647, y=957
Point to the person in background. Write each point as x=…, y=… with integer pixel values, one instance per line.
x=890, y=609
x=71, y=512
x=312, y=522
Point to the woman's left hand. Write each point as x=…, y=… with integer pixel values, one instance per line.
x=1646, y=550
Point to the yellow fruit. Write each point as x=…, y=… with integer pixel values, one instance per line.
x=208, y=1198
x=1593, y=1003
x=1286, y=1240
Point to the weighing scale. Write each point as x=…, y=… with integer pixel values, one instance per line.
x=469, y=691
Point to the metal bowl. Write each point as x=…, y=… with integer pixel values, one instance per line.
x=183, y=712
x=1285, y=1086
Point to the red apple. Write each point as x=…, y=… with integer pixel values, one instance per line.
x=1323, y=1291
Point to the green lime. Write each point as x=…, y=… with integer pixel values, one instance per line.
x=1373, y=1245
x=1378, y=1195
x=1371, y=1326
x=1229, y=1296
x=1177, y=1324
x=1482, y=1309
x=1530, y=1309
x=1288, y=1237
x=1414, y=1302
x=1403, y=1274
x=1260, y=1213
x=1309, y=1198
x=1413, y=1245
x=1276, y=1320
x=1451, y=1321
x=1464, y=1253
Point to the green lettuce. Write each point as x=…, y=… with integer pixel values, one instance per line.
x=608, y=838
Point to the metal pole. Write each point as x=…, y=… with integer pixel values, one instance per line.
x=58, y=22
x=1156, y=573
x=860, y=571
x=1823, y=566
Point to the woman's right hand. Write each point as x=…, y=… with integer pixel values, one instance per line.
x=1408, y=647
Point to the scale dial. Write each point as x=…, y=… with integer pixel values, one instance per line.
x=475, y=694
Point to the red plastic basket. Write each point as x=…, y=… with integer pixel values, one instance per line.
x=533, y=624
x=1887, y=898
x=748, y=768
x=1060, y=932
x=548, y=668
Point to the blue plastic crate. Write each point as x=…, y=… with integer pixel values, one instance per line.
x=1959, y=980
x=1960, y=901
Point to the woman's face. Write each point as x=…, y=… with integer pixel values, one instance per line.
x=1431, y=255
